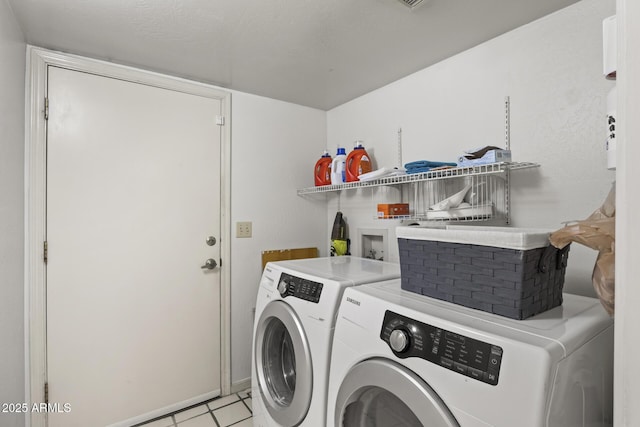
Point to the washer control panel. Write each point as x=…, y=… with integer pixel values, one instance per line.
x=467, y=356
x=297, y=287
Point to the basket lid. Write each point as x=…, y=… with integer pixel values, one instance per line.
x=502, y=237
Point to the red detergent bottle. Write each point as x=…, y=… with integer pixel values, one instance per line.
x=358, y=162
x=322, y=171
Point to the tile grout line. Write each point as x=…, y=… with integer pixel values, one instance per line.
x=239, y=421
x=215, y=420
x=247, y=406
x=228, y=404
x=240, y=399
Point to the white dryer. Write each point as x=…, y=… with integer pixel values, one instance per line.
x=400, y=358
x=295, y=316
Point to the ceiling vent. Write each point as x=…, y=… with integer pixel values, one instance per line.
x=411, y=4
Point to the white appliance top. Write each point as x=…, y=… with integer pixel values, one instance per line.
x=314, y=286
x=569, y=326
x=343, y=269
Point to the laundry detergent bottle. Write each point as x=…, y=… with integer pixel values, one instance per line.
x=322, y=171
x=338, y=165
x=358, y=162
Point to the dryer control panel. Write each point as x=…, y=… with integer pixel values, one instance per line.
x=292, y=286
x=467, y=356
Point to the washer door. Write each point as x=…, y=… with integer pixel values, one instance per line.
x=379, y=392
x=283, y=364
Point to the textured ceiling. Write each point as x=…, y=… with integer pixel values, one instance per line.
x=319, y=53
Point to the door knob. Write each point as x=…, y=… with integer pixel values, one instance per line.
x=210, y=264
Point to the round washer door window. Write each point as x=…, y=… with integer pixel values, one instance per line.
x=375, y=406
x=379, y=392
x=283, y=364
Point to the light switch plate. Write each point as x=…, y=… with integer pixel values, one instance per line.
x=243, y=229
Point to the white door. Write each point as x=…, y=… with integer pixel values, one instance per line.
x=133, y=192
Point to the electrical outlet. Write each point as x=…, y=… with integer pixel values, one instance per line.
x=243, y=229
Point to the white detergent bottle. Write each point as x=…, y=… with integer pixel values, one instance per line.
x=338, y=167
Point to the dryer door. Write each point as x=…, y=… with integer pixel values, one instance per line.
x=379, y=392
x=283, y=364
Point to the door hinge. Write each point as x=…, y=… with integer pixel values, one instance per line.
x=46, y=392
x=46, y=252
x=220, y=120
x=46, y=108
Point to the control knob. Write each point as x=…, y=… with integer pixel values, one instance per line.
x=399, y=340
x=282, y=287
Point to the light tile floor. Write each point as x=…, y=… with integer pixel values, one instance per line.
x=233, y=410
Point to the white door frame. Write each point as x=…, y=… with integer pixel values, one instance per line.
x=35, y=206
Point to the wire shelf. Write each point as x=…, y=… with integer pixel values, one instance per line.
x=488, y=169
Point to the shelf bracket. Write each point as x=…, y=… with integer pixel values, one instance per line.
x=507, y=123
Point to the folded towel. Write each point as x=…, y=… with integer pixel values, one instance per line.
x=418, y=170
x=421, y=164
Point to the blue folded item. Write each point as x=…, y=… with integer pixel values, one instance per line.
x=418, y=170
x=420, y=166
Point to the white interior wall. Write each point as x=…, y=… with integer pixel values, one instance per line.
x=12, y=101
x=271, y=142
x=552, y=71
x=627, y=346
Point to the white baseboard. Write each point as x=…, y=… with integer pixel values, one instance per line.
x=242, y=385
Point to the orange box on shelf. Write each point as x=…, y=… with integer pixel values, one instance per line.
x=391, y=210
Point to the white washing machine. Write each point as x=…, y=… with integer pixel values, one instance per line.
x=295, y=316
x=402, y=359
